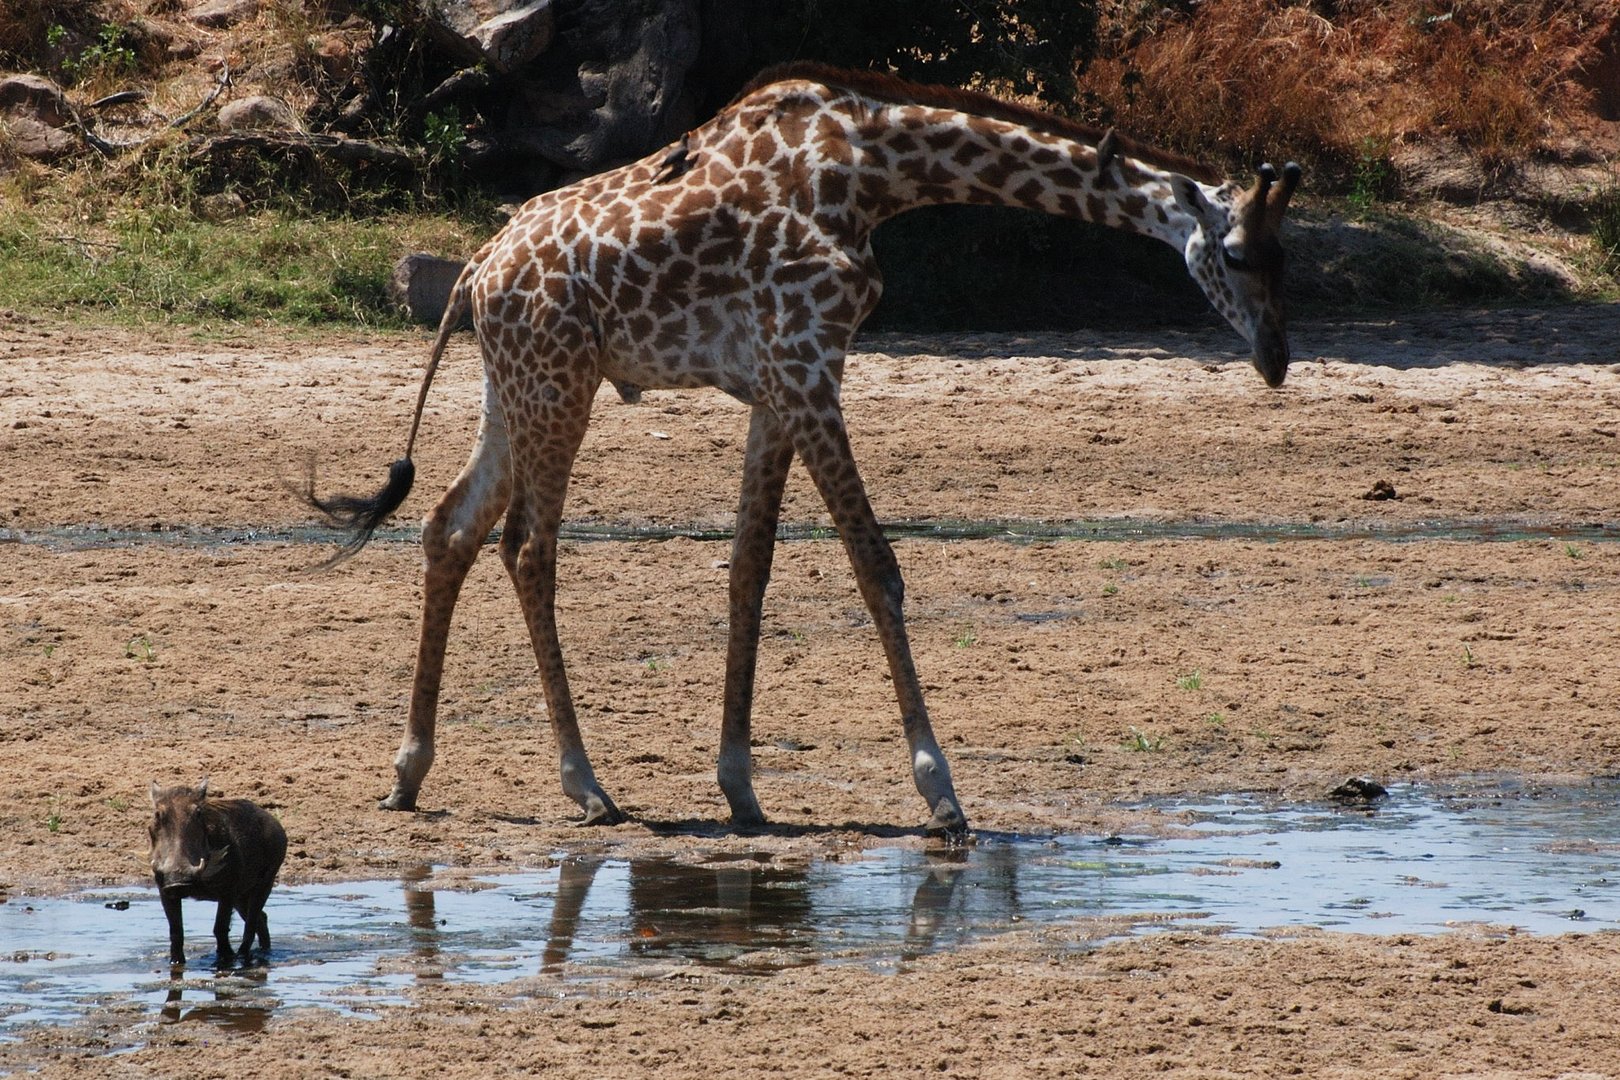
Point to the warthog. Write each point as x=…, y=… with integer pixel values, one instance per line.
x=227, y=850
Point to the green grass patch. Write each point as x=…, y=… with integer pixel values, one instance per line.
x=269, y=265
x=1606, y=229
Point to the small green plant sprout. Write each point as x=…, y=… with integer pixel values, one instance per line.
x=111, y=54
x=53, y=820
x=1468, y=658
x=1140, y=742
x=1115, y=564
x=49, y=651
x=140, y=647
x=654, y=664
x=967, y=638
x=1193, y=680
x=1606, y=229
x=1216, y=720
x=116, y=802
x=1110, y=589
x=1373, y=175
x=1574, y=552
x=444, y=137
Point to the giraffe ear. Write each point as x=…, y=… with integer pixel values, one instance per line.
x=1107, y=149
x=1191, y=198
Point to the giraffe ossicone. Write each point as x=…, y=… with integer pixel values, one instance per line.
x=739, y=258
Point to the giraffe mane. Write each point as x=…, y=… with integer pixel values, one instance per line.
x=893, y=89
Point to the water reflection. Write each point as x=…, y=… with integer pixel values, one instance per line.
x=420, y=916
x=220, y=1004
x=748, y=915
x=574, y=879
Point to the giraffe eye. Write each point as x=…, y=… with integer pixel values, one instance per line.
x=1234, y=261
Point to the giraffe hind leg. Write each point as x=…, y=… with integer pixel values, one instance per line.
x=529, y=550
x=452, y=536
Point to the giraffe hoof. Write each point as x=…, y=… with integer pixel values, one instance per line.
x=748, y=823
x=599, y=810
x=398, y=800
x=948, y=821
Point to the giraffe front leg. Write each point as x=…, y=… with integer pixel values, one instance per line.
x=822, y=442
x=878, y=574
x=765, y=469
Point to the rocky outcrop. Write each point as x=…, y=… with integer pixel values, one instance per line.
x=505, y=34
x=547, y=91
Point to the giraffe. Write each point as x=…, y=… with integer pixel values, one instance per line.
x=739, y=258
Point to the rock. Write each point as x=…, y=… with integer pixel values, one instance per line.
x=217, y=14
x=257, y=113
x=506, y=34
x=1381, y=490
x=222, y=206
x=35, y=96
x=1358, y=789
x=35, y=114
x=611, y=88
x=421, y=285
x=27, y=137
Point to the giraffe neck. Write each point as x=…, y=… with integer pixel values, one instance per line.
x=906, y=156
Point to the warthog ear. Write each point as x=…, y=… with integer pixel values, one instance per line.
x=202, y=789
x=154, y=793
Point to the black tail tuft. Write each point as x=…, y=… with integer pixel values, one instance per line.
x=359, y=516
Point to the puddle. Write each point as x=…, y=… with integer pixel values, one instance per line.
x=1544, y=861
x=87, y=537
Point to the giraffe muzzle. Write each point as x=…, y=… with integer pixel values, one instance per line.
x=1271, y=355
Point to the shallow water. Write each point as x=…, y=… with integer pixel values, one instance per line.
x=1544, y=861
x=87, y=537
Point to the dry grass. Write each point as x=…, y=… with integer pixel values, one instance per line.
x=1239, y=79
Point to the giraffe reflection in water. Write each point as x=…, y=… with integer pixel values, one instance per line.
x=745, y=915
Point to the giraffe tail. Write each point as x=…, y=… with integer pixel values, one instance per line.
x=360, y=515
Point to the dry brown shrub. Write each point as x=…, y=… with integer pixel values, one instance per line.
x=1240, y=79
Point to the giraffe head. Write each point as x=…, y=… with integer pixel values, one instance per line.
x=1235, y=256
